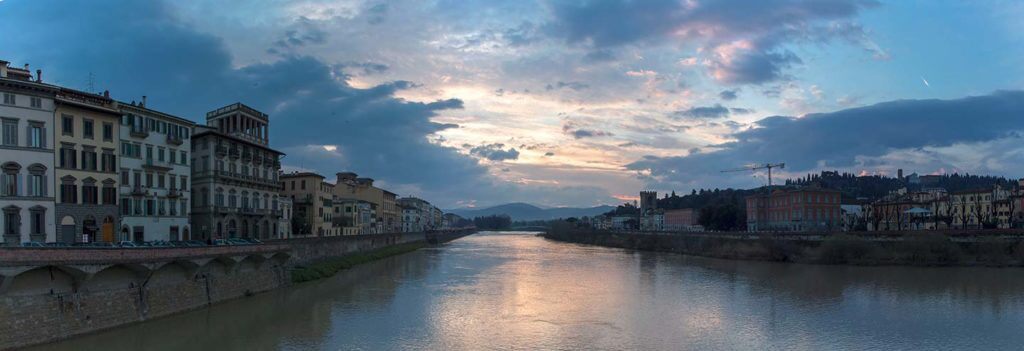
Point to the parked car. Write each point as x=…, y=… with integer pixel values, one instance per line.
x=32, y=244
x=179, y=244
x=100, y=244
x=196, y=243
x=220, y=242
x=58, y=244
x=253, y=240
x=238, y=241
x=128, y=244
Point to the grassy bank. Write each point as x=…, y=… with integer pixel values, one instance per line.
x=330, y=267
x=934, y=249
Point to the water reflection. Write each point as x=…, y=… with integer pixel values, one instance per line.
x=521, y=292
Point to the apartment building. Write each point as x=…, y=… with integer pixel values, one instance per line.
x=312, y=199
x=349, y=186
x=417, y=214
x=794, y=209
x=235, y=176
x=284, y=226
x=26, y=170
x=155, y=173
x=86, y=142
x=355, y=217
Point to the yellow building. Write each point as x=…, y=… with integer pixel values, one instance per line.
x=349, y=186
x=86, y=139
x=312, y=204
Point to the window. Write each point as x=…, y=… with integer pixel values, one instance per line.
x=184, y=183
x=69, y=192
x=303, y=185
x=108, y=131
x=10, y=130
x=109, y=162
x=150, y=207
x=149, y=152
x=37, y=185
x=12, y=219
x=184, y=156
x=38, y=219
x=149, y=180
x=67, y=125
x=124, y=177
x=36, y=135
x=89, y=194
x=126, y=206
x=160, y=154
x=9, y=183
x=35, y=102
x=109, y=195
x=87, y=129
x=174, y=158
x=88, y=160
x=160, y=181
x=161, y=206
x=138, y=179
x=9, y=99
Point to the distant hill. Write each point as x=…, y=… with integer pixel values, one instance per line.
x=526, y=212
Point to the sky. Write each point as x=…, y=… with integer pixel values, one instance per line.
x=473, y=103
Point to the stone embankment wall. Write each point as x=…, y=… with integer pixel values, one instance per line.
x=51, y=294
x=955, y=248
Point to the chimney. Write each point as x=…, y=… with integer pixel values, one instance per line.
x=39, y=75
x=106, y=94
x=26, y=67
x=143, y=103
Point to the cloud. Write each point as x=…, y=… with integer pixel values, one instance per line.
x=838, y=139
x=361, y=68
x=740, y=48
x=549, y=154
x=186, y=73
x=728, y=95
x=577, y=86
x=716, y=111
x=302, y=32
x=495, y=152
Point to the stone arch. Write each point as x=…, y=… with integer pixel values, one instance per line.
x=172, y=273
x=41, y=281
x=250, y=263
x=118, y=276
x=218, y=267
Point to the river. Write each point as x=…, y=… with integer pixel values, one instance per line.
x=516, y=291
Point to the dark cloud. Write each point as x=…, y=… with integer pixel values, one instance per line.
x=728, y=95
x=716, y=111
x=577, y=86
x=838, y=139
x=186, y=73
x=361, y=68
x=602, y=25
x=549, y=154
x=740, y=111
x=495, y=152
x=301, y=33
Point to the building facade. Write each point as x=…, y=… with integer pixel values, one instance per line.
x=235, y=176
x=387, y=220
x=312, y=199
x=154, y=175
x=284, y=224
x=86, y=140
x=684, y=219
x=795, y=209
x=26, y=194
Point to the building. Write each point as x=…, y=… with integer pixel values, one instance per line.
x=654, y=220
x=794, y=209
x=312, y=199
x=235, y=175
x=648, y=201
x=348, y=186
x=418, y=215
x=683, y=219
x=155, y=172
x=86, y=141
x=972, y=208
x=355, y=217
x=284, y=224
x=452, y=221
x=26, y=193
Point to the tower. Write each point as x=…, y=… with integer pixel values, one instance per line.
x=648, y=201
x=241, y=121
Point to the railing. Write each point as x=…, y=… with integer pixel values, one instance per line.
x=151, y=163
x=139, y=133
x=173, y=193
x=139, y=191
x=174, y=139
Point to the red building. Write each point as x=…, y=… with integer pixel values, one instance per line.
x=680, y=219
x=796, y=209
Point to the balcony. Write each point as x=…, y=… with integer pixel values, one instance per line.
x=235, y=153
x=174, y=140
x=139, y=133
x=173, y=193
x=139, y=191
x=156, y=165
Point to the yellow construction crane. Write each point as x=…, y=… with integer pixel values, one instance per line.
x=767, y=166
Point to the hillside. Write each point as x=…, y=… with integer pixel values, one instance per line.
x=526, y=212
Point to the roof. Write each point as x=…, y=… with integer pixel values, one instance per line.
x=202, y=130
x=301, y=174
x=140, y=108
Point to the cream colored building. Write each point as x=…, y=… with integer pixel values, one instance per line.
x=86, y=140
x=312, y=199
x=349, y=186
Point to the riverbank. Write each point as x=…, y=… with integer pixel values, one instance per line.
x=48, y=295
x=918, y=249
x=330, y=267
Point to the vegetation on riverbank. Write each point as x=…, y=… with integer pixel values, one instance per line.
x=928, y=249
x=331, y=267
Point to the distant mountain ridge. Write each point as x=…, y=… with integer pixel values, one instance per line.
x=526, y=212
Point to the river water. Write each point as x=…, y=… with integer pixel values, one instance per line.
x=516, y=291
